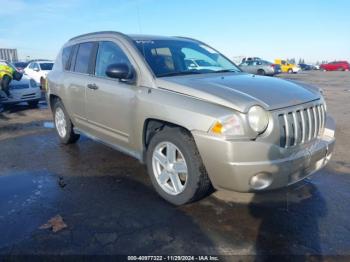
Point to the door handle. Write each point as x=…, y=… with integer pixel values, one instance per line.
x=92, y=86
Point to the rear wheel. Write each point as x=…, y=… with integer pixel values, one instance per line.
x=63, y=124
x=341, y=69
x=290, y=71
x=261, y=72
x=175, y=167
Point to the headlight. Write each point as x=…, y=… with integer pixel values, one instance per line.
x=258, y=118
x=32, y=83
x=229, y=126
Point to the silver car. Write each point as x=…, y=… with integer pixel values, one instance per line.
x=260, y=67
x=195, y=129
x=25, y=90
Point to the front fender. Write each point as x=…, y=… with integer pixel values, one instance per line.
x=185, y=111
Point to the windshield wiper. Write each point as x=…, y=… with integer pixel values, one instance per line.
x=226, y=71
x=179, y=73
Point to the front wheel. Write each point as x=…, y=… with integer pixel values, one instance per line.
x=175, y=167
x=63, y=124
x=290, y=71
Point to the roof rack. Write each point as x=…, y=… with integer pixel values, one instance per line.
x=97, y=33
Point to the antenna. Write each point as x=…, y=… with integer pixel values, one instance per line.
x=138, y=16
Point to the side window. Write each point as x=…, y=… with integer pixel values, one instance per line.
x=36, y=67
x=65, y=56
x=31, y=66
x=83, y=58
x=109, y=53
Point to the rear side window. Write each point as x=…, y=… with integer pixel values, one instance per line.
x=46, y=66
x=66, y=53
x=82, y=62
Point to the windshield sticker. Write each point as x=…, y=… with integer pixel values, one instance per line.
x=144, y=42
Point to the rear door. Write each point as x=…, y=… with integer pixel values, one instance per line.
x=78, y=74
x=251, y=68
x=110, y=102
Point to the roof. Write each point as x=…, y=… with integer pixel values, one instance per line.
x=154, y=37
x=132, y=36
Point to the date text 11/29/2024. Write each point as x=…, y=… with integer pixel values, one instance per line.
x=173, y=258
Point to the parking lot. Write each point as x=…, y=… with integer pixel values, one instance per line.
x=109, y=206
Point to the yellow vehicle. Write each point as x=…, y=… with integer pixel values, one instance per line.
x=6, y=70
x=287, y=67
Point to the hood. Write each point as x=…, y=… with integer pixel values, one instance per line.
x=24, y=80
x=240, y=91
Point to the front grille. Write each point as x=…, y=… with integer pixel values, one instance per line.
x=301, y=125
x=28, y=96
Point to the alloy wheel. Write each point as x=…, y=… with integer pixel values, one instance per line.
x=169, y=168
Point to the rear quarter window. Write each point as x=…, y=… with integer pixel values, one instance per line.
x=66, y=53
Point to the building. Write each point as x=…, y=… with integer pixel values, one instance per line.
x=8, y=54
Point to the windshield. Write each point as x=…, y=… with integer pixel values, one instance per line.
x=174, y=57
x=20, y=64
x=46, y=66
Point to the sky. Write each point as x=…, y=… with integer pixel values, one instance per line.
x=314, y=30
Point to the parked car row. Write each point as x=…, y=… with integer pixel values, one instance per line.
x=27, y=89
x=258, y=66
x=336, y=66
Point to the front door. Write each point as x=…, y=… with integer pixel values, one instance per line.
x=33, y=71
x=110, y=102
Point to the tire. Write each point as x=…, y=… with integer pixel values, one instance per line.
x=63, y=124
x=195, y=185
x=341, y=69
x=261, y=72
x=290, y=71
x=33, y=103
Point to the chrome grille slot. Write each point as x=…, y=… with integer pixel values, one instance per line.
x=302, y=125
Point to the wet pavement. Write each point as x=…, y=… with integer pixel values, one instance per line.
x=110, y=207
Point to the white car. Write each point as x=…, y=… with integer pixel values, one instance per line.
x=25, y=90
x=38, y=70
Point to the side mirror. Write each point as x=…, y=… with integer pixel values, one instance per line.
x=120, y=71
x=36, y=69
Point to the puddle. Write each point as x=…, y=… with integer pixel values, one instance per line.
x=49, y=124
x=26, y=198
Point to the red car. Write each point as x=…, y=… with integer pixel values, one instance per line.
x=336, y=66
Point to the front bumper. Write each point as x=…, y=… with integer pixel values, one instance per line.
x=232, y=164
x=20, y=95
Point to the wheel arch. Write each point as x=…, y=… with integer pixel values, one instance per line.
x=153, y=125
x=52, y=99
